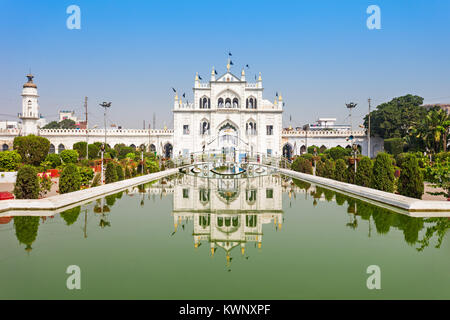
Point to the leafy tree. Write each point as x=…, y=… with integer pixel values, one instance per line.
x=27, y=183
x=433, y=129
x=123, y=150
x=32, y=149
x=440, y=177
x=52, y=125
x=301, y=164
x=9, y=160
x=395, y=118
x=119, y=170
x=80, y=147
x=54, y=160
x=67, y=124
x=70, y=216
x=393, y=145
x=364, y=172
x=69, y=156
x=383, y=173
x=340, y=173
x=70, y=179
x=110, y=173
x=410, y=182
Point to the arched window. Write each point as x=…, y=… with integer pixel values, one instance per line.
x=61, y=148
x=133, y=146
x=152, y=148
x=204, y=127
x=250, y=128
x=251, y=103
x=302, y=149
x=205, y=103
x=52, y=149
x=220, y=103
x=227, y=103
x=235, y=103
x=29, y=108
x=5, y=147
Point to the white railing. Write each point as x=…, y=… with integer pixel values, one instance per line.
x=323, y=133
x=119, y=132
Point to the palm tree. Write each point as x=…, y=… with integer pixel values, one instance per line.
x=433, y=130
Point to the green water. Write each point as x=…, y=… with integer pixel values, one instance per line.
x=299, y=242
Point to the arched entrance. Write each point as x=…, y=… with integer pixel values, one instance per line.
x=5, y=147
x=61, y=148
x=228, y=141
x=168, y=150
x=287, y=151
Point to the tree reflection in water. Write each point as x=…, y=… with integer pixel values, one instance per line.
x=26, y=230
x=383, y=218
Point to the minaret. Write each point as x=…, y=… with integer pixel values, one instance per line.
x=30, y=107
x=197, y=81
x=280, y=101
x=213, y=74
x=243, y=75
x=175, y=103
x=260, y=81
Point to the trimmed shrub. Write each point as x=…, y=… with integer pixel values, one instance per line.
x=338, y=153
x=54, y=160
x=410, y=182
x=96, y=181
x=301, y=164
x=152, y=165
x=70, y=216
x=320, y=168
x=311, y=149
x=351, y=173
x=70, y=179
x=393, y=146
x=9, y=160
x=383, y=173
x=119, y=170
x=93, y=151
x=69, y=156
x=32, y=149
x=80, y=147
x=86, y=174
x=330, y=169
x=131, y=155
x=127, y=172
x=364, y=172
x=110, y=173
x=27, y=183
x=340, y=173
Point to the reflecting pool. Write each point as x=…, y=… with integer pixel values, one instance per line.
x=192, y=237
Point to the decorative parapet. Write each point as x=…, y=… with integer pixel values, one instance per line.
x=323, y=133
x=10, y=132
x=251, y=86
x=118, y=132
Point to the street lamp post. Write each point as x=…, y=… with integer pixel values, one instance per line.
x=104, y=105
x=306, y=128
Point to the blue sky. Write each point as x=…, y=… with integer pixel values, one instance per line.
x=318, y=54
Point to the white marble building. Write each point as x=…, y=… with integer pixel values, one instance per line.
x=228, y=115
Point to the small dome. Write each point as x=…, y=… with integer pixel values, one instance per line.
x=30, y=83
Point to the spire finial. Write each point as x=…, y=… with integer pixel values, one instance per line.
x=228, y=65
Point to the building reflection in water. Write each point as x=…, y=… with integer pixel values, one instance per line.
x=228, y=213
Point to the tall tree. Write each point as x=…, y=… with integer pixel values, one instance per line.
x=395, y=118
x=433, y=129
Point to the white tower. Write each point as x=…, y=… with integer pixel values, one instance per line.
x=30, y=108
